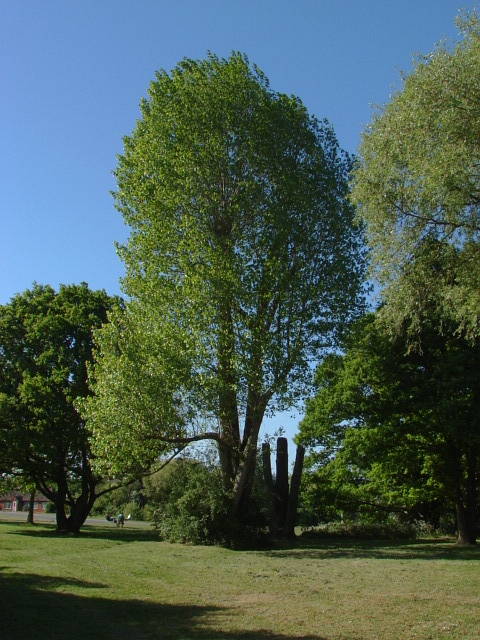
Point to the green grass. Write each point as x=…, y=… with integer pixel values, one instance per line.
x=110, y=583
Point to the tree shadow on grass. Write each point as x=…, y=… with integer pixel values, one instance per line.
x=39, y=607
x=420, y=549
x=94, y=532
x=306, y=546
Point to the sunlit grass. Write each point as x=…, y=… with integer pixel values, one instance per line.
x=110, y=583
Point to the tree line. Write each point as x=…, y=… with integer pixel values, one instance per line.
x=251, y=232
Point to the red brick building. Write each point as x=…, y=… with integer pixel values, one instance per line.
x=17, y=501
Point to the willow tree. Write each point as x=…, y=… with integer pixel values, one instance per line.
x=243, y=261
x=417, y=178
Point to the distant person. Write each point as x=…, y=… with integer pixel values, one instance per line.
x=120, y=519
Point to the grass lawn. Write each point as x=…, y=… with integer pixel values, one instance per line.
x=111, y=583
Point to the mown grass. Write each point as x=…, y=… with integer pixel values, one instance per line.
x=110, y=583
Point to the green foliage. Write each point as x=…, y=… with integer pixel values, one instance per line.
x=45, y=344
x=392, y=429
x=417, y=177
x=122, y=498
x=134, y=510
x=243, y=262
x=193, y=508
x=363, y=531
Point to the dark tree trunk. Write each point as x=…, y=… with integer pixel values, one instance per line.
x=281, y=482
x=294, y=491
x=466, y=504
x=268, y=478
x=60, y=503
x=81, y=506
x=31, y=507
x=229, y=445
x=284, y=500
x=466, y=531
x=267, y=466
x=79, y=511
x=245, y=476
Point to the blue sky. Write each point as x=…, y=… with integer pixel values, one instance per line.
x=72, y=74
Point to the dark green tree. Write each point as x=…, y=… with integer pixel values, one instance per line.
x=45, y=344
x=397, y=429
x=243, y=262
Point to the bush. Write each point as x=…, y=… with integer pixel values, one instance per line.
x=194, y=509
x=192, y=506
x=134, y=510
x=363, y=531
x=120, y=499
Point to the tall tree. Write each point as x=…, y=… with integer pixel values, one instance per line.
x=45, y=344
x=417, y=176
x=243, y=261
x=398, y=428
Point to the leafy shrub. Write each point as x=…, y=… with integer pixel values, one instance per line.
x=50, y=508
x=120, y=499
x=194, y=509
x=363, y=530
x=192, y=506
x=134, y=510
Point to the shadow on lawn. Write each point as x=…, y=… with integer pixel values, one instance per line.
x=422, y=549
x=39, y=607
x=100, y=532
x=306, y=546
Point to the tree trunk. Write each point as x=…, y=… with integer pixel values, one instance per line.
x=466, y=505
x=281, y=483
x=80, y=507
x=294, y=491
x=284, y=500
x=245, y=476
x=267, y=466
x=79, y=511
x=60, y=503
x=466, y=533
x=268, y=478
x=229, y=445
x=31, y=507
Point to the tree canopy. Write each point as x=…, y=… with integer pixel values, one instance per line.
x=243, y=262
x=397, y=430
x=417, y=178
x=45, y=344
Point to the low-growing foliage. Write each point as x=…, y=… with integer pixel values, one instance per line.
x=362, y=531
x=192, y=507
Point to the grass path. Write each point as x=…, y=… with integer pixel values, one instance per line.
x=118, y=584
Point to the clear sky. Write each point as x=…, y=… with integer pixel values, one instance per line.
x=72, y=73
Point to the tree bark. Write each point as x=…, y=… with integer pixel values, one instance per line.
x=79, y=507
x=281, y=483
x=284, y=500
x=31, y=507
x=466, y=503
x=293, y=495
x=267, y=466
x=268, y=479
x=243, y=485
x=229, y=445
x=466, y=534
x=60, y=501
